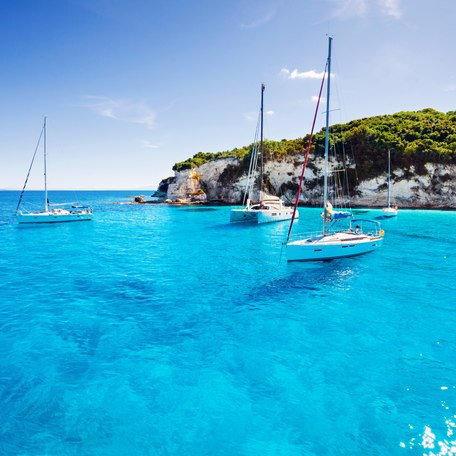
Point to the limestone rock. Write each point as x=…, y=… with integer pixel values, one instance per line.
x=224, y=181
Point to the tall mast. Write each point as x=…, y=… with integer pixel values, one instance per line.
x=325, y=194
x=261, y=140
x=389, y=179
x=46, y=208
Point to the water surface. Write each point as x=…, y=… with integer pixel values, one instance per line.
x=157, y=330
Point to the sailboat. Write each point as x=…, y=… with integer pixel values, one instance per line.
x=389, y=211
x=267, y=208
x=53, y=213
x=356, y=237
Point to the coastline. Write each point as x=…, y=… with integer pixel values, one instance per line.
x=180, y=202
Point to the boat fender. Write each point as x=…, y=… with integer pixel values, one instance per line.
x=382, y=233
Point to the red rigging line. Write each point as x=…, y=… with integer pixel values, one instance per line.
x=301, y=180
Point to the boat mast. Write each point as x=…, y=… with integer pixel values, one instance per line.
x=389, y=179
x=46, y=208
x=325, y=194
x=261, y=141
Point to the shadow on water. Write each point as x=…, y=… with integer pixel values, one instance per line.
x=36, y=226
x=310, y=278
x=281, y=225
x=128, y=295
x=236, y=226
x=197, y=209
x=437, y=238
x=359, y=211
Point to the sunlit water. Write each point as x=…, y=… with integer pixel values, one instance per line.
x=157, y=330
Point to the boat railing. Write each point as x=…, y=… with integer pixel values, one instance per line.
x=61, y=204
x=29, y=208
x=306, y=235
x=361, y=226
x=366, y=226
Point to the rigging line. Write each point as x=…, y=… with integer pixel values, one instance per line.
x=28, y=174
x=250, y=181
x=340, y=99
x=251, y=177
x=253, y=162
x=307, y=154
x=349, y=144
x=345, y=182
x=258, y=153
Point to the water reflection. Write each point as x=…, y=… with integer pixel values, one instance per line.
x=432, y=444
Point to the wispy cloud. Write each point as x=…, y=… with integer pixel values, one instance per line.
x=295, y=74
x=359, y=8
x=314, y=99
x=254, y=116
x=391, y=8
x=123, y=110
x=251, y=116
x=263, y=19
x=258, y=22
x=350, y=8
x=148, y=145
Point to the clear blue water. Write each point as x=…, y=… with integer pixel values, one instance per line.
x=157, y=330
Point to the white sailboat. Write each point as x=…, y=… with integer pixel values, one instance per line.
x=357, y=237
x=389, y=210
x=67, y=212
x=267, y=208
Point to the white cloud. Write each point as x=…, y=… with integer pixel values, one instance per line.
x=314, y=99
x=148, y=145
x=265, y=18
x=251, y=116
x=123, y=110
x=350, y=8
x=255, y=116
x=360, y=8
x=295, y=74
x=390, y=8
x=259, y=21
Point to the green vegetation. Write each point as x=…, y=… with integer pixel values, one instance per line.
x=414, y=138
x=203, y=157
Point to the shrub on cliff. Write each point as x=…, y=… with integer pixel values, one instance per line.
x=413, y=137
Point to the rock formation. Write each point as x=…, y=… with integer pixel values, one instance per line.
x=224, y=180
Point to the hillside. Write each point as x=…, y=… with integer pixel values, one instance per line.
x=415, y=137
x=423, y=156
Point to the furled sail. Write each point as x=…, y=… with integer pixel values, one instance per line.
x=330, y=214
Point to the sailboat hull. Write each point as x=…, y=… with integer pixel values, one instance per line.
x=332, y=246
x=389, y=212
x=261, y=215
x=53, y=217
x=331, y=243
x=243, y=215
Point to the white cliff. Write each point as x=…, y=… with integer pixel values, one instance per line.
x=224, y=181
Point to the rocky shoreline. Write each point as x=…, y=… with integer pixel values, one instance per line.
x=219, y=203
x=222, y=182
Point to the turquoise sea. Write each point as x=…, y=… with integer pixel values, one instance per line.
x=157, y=330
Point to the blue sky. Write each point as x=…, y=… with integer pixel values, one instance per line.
x=132, y=86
